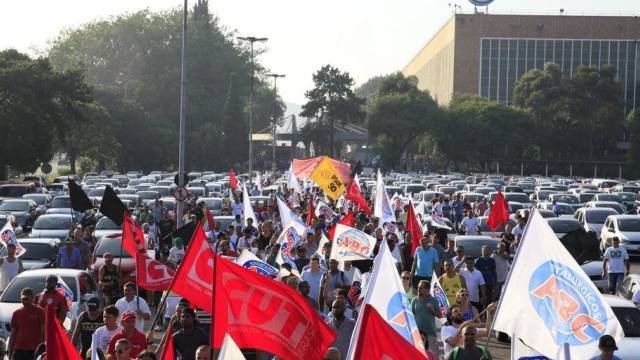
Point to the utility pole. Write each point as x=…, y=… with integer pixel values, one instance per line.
x=251, y=40
x=275, y=110
x=183, y=106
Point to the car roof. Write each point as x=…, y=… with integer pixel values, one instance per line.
x=45, y=272
x=54, y=215
x=40, y=241
x=475, y=237
x=624, y=216
x=617, y=301
x=561, y=219
x=17, y=200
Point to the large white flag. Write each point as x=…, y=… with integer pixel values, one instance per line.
x=324, y=209
x=351, y=244
x=386, y=294
x=382, y=207
x=8, y=236
x=249, y=261
x=247, y=209
x=548, y=300
x=292, y=182
x=230, y=350
x=286, y=214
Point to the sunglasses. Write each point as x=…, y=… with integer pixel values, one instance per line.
x=406, y=278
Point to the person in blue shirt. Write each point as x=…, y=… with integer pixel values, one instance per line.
x=607, y=345
x=69, y=256
x=456, y=207
x=424, y=263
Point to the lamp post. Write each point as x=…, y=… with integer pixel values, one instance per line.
x=251, y=40
x=275, y=105
x=183, y=106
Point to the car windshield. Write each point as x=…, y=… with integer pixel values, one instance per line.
x=627, y=196
x=61, y=202
x=562, y=209
x=563, y=227
x=113, y=246
x=96, y=192
x=38, y=252
x=12, y=191
x=107, y=224
x=629, y=225
x=474, y=248
x=586, y=197
x=521, y=198
x=629, y=318
x=14, y=206
x=598, y=217
x=40, y=200
x=213, y=204
x=12, y=293
x=53, y=223
x=568, y=199
x=608, y=197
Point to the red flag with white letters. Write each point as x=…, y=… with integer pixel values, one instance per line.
x=265, y=314
x=132, y=236
x=152, y=274
x=378, y=340
x=193, y=279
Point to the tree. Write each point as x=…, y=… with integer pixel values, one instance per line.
x=632, y=166
x=235, y=133
x=332, y=100
x=37, y=106
x=399, y=112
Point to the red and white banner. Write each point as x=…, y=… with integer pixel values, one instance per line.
x=303, y=168
x=152, y=274
x=195, y=274
x=265, y=314
x=132, y=237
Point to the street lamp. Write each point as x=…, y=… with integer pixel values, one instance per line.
x=275, y=109
x=251, y=40
x=183, y=106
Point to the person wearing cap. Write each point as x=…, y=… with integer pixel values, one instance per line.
x=607, y=345
x=88, y=322
x=129, y=332
x=109, y=279
x=187, y=339
x=27, y=328
x=51, y=297
x=176, y=253
x=10, y=266
x=133, y=303
x=69, y=256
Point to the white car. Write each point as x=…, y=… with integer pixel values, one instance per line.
x=106, y=227
x=592, y=219
x=629, y=317
x=624, y=227
x=81, y=284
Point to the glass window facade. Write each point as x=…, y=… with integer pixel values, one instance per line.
x=504, y=60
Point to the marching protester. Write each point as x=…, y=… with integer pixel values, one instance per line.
x=27, y=328
x=10, y=266
x=133, y=304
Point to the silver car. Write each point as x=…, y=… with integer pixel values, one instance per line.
x=592, y=219
x=52, y=226
x=624, y=227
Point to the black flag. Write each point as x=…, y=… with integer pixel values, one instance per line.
x=112, y=207
x=79, y=199
x=185, y=232
x=356, y=169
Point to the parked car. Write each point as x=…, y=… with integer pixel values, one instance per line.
x=9, y=191
x=213, y=204
x=607, y=204
x=40, y=253
x=628, y=286
x=566, y=199
x=121, y=258
x=592, y=219
x=624, y=227
x=628, y=315
x=224, y=221
x=80, y=282
x=473, y=244
x=52, y=225
x=106, y=227
x=25, y=211
x=42, y=200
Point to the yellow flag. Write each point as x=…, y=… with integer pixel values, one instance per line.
x=326, y=176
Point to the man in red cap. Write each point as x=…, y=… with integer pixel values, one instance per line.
x=129, y=332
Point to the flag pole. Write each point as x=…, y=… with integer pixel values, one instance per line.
x=216, y=259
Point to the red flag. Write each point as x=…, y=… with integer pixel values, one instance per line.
x=247, y=303
x=132, y=236
x=414, y=228
x=348, y=220
x=233, y=182
x=353, y=194
x=310, y=211
x=378, y=340
x=211, y=221
x=152, y=274
x=167, y=351
x=58, y=344
x=193, y=279
x=499, y=213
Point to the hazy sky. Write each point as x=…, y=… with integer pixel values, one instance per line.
x=364, y=37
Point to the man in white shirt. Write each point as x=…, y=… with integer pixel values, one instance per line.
x=236, y=207
x=502, y=268
x=615, y=264
x=518, y=230
x=475, y=283
x=246, y=241
x=176, y=253
x=351, y=273
x=101, y=337
x=132, y=302
x=470, y=224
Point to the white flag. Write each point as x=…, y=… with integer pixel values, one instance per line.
x=292, y=182
x=386, y=294
x=548, y=300
x=8, y=236
x=382, y=207
x=323, y=240
x=286, y=214
x=290, y=238
x=324, y=209
x=229, y=350
x=247, y=209
x=351, y=244
x=249, y=261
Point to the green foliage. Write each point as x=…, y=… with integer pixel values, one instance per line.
x=235, y=133
x=398, y=114
x=632, y=166
x=332, y=100
x=38, y=105
x=64, y=171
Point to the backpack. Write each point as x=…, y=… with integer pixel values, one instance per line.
x=485, y=353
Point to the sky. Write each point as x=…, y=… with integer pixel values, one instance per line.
x=363, y=37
